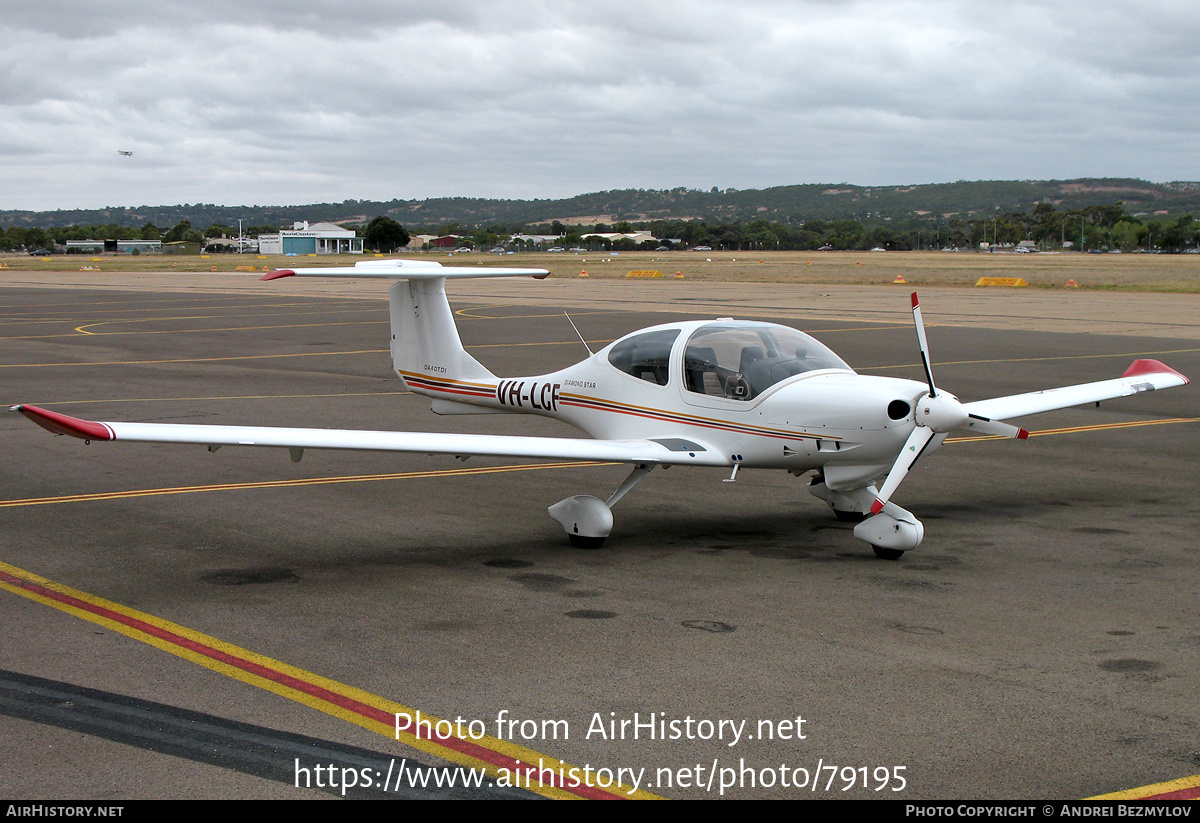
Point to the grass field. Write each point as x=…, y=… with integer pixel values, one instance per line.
x=1122, y=272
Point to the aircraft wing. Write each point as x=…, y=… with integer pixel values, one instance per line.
x=667, y=450
x=1141, y=376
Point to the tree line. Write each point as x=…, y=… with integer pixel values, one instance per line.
x=1092, y=228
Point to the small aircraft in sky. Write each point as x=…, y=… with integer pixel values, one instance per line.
x=721, y=393
x=124, y=153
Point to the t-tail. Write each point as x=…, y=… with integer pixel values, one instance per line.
x=427, y=353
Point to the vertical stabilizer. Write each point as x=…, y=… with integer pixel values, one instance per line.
x=427, y=353
x=425, y=341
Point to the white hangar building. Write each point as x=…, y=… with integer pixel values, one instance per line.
x=319, y=238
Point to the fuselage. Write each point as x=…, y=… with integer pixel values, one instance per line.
x=763, y=395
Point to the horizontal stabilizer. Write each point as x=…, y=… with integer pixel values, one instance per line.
x=406, y=270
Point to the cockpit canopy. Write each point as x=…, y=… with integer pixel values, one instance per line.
x=646, y=355
x=736, y=360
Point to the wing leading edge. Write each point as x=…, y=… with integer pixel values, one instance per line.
x=670, y=451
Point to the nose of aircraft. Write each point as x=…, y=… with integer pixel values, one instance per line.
x=942, y=413
x=850, y=402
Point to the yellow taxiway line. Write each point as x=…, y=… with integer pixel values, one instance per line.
x=505, y=763
x=275, y=484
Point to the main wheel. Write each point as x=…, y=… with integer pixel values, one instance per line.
x=888, y=554
x=849, y=516
x=581, y=542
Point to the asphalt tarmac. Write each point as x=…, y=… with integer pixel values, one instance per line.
x=1041, y=643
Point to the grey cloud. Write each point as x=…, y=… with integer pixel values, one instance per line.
x=273, y=101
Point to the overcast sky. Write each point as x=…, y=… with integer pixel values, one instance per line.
x=289, y=102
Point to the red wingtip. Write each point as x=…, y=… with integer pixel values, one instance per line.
x=63, y=424
x=277, y=273
x=877, y=506
x=1150, y=367
x=541, y=276
x=1022, y=434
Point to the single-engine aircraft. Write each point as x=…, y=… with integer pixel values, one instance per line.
x=725, y=393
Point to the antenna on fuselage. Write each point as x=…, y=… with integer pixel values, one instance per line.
x=581, y=340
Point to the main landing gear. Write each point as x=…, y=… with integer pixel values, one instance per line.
x=588, y=520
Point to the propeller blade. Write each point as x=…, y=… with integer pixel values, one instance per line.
x=914, y=447
x=984, y=425
x=923, y=343
x=935, y=414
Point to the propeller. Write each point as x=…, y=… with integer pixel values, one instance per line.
x=936, y=413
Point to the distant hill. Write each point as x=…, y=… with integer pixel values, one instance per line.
x=790, y=205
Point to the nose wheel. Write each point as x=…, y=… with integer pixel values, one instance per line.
x=890, y=532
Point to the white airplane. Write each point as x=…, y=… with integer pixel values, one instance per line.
x=725, y=393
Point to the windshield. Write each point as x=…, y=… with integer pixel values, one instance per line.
x=742, y=360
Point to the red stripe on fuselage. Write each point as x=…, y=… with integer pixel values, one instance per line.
x=461, y=388
x=445, y=384
x=685, y=419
